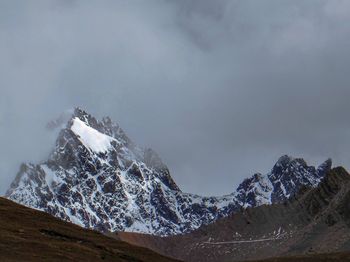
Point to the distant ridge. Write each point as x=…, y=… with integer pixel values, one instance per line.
x=312, y=226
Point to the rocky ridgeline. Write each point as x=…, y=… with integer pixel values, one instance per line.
x=315, y=221
x=98, y=178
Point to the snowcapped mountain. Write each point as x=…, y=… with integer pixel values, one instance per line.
x=286, y=178
x=98, y=178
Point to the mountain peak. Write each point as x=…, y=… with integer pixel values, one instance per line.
x=325, y=166
x=284, y=159
x=290, y=174
x=79, y=112
x=287, y=176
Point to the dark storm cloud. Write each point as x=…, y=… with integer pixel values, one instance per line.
x=220, y=88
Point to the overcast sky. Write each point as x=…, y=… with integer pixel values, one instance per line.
x=220, y=89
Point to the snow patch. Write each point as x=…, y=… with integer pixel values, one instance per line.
x=90, y=137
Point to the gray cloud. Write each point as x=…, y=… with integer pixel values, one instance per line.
x=220, y=88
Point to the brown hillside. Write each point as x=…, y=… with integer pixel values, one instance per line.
x=31, y=235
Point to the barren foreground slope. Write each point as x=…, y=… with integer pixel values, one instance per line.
x=31, y=235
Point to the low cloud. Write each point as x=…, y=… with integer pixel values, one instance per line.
x=220, y=89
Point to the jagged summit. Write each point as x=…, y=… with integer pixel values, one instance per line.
x=286, y=178
x=325, y=166
x=97, y=177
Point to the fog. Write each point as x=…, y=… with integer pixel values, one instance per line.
x=220, y=89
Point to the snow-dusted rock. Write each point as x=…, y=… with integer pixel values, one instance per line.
x=285, y=180
x=98, y=178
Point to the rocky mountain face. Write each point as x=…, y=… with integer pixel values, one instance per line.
x=315, y=221
x=98, y=178
x=285, y=179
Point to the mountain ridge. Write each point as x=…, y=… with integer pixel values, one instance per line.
x=97, y=177
x=312, y=224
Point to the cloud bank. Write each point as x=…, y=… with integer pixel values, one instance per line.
x=220, y=88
